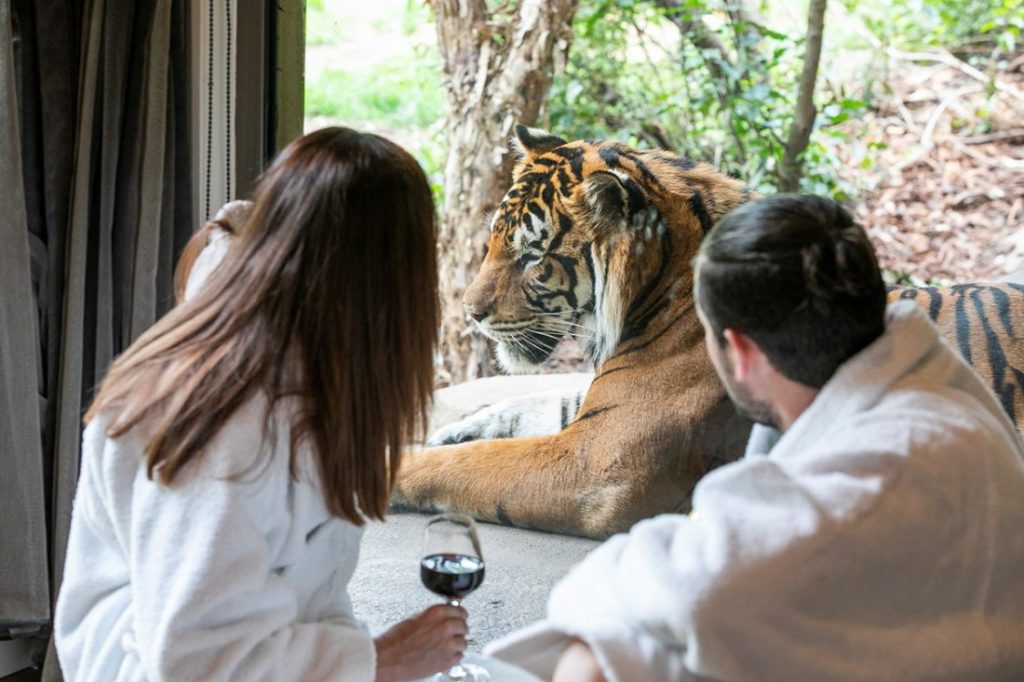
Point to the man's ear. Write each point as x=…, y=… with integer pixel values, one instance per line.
x=744, y=354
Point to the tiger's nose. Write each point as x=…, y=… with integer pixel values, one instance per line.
x=477, y=312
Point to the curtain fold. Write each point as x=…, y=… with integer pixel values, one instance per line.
x=95, y=150
x=24, y=589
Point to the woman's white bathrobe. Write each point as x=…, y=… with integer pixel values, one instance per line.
x=234, y=572
x=881, y=539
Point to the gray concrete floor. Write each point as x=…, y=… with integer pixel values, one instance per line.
x=522, y=566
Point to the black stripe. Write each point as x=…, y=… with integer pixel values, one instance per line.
x=637, y=200
x=934, y=302
x=547, y=194
x=1019, y=376
x=564, y=225
x=654, y=338
x=681, y=162
x=963, y=328
x=644, y=171
x=603, y=374
x=996, y=358
x=569, y=153
x=502, y=515
x=536, y=210
x=576, y=166
x=609, y=156
x=588, y=258
x=1002, y=301
x=697, y=206
x=564, y=181
x=596, y=411
x=565, y=413
x=569, y=266
x=638, y=326
x=642, y=298
x=1015, y=287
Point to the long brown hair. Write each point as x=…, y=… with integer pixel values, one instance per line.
x=228, y=219
x=329, y=294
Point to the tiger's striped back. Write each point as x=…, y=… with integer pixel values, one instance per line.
x=985, y=323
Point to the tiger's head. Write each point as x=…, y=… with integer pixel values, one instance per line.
x=593, y=240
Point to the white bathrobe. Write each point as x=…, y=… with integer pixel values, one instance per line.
x=234, y=572
x=881, y=539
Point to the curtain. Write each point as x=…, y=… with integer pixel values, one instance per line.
x=24, y=589
x=94, y=132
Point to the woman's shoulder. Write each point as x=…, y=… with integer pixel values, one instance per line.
x=252, y=443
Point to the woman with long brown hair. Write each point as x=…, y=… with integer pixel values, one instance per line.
x=236, y=449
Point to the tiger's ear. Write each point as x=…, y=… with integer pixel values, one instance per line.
x=612, y=199
x=529, y=143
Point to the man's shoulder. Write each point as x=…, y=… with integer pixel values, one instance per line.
x=938, y=426
x=945, y=409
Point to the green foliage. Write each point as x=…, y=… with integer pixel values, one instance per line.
x=323, y=25
x=1006, y=24
x=952, y=24
x=396, y=94
x=633, y=75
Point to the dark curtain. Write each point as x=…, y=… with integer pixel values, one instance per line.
x=96, y=170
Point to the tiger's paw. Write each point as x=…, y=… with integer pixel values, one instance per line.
x=462, y=431
x=538, y=414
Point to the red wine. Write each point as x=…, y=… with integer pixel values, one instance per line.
x=452, y=575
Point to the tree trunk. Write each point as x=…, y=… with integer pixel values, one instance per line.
x=790, y=169
x=498, y=67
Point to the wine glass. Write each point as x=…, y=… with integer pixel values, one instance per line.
x=453, y=566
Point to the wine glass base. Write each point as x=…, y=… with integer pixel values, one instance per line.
x=463, y=672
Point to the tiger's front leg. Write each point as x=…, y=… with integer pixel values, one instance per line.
x=563, y=483
x=514, y=481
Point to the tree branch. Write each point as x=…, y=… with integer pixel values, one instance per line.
x=790, y=168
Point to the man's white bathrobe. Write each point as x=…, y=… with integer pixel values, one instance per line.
x=236, y=571
x=882, y=538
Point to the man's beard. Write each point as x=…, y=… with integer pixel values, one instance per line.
x=746, y=404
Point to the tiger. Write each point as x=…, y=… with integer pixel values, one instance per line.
x=595, y=240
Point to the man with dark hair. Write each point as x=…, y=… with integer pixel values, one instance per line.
x=879, y=539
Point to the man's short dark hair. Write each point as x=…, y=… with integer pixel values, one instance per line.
x=797, y=275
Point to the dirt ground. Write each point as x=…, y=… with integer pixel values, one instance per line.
x=945, y=196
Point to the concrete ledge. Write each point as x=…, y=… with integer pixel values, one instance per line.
x=522, y=567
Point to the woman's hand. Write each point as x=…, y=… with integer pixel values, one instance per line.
x=422, y=645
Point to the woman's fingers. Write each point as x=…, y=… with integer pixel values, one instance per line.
x=426, y=643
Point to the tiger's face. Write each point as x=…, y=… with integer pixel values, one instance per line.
x=552, y=240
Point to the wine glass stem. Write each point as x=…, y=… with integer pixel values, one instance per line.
x=456, y=672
